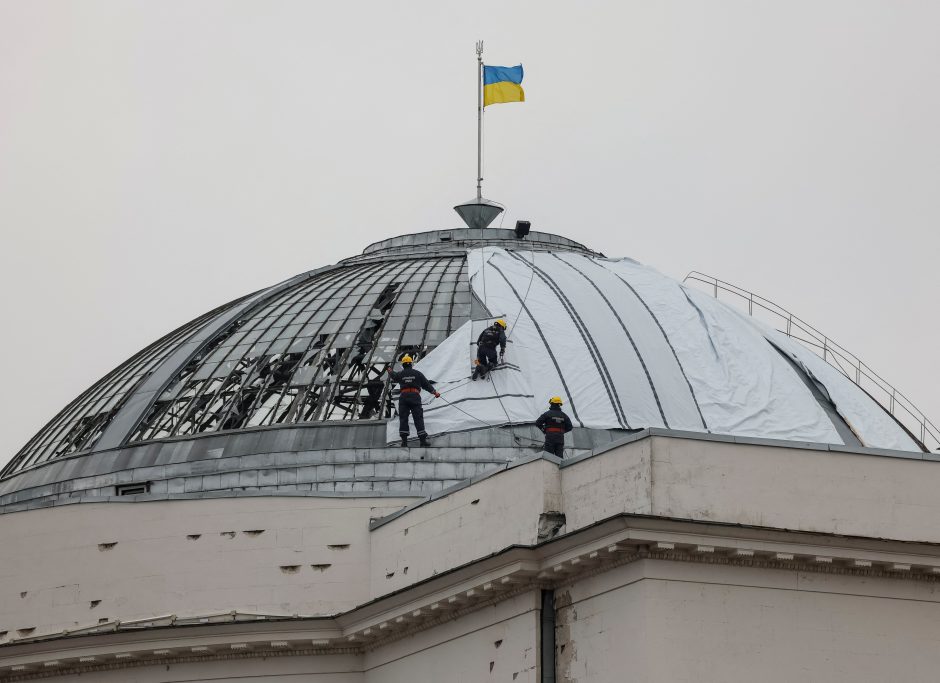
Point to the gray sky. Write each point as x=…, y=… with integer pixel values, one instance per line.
x=160, y=158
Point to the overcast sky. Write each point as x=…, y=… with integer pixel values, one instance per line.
x=160, y=158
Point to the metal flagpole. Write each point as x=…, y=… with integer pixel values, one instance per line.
x=479, y=119
x=478, y=212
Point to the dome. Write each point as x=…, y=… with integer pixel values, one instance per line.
x=253, y=396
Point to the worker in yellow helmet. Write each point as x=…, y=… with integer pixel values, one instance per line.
x=554, y=424
x=489, y=339
x=411, y=382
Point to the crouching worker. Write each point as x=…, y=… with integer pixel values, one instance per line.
x=554, y=424
x=411, y=382
x=489, y=339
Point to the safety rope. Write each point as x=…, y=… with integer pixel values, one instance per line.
x=488, y=424
x=524, y=296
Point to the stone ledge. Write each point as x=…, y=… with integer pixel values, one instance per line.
x=515, y=570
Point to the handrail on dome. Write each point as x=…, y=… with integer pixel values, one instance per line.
x=846, y=362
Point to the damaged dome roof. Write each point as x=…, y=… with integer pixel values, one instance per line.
x=629, y=347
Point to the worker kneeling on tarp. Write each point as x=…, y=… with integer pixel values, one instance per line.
x=411, y=382
x=489, y=339
x=554, y=424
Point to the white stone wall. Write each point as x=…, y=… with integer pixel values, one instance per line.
x=693, y=614
x=471, y=523
x=74, y=566
x=788, y=488
x=497, y=643
x=687, y=622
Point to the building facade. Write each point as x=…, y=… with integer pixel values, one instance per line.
x=228, y=504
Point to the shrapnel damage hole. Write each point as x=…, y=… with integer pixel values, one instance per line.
x=320, y=567
x=339, y=546
x=193, y=537
x=106, y=546
x=290, y=568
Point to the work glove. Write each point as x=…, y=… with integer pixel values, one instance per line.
x=437, y=394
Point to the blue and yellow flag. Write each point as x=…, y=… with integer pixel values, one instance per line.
x=501, y=84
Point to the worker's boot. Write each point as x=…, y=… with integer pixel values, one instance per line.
x=424, y=441
x=404, y=442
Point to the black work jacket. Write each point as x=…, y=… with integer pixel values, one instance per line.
x=410, y=379
x=492, y=336
x=555, y=424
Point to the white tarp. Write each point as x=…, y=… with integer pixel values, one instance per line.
x=449, y=367
x=870, y=422
x=625, y=347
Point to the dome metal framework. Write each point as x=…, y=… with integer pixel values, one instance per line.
x=312, y=349
x=79, y=425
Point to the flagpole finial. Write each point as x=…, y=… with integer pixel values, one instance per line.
x=479, y=48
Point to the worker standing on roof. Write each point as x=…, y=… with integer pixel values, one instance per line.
x=489, y=339
x=554, y=424
x=411, y=382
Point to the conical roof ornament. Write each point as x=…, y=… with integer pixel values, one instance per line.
x=478, y=212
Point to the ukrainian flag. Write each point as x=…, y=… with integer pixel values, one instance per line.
x=501, y=84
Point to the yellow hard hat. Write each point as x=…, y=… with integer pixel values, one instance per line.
x=556, y=401
x=406, y=359
x=501, y=323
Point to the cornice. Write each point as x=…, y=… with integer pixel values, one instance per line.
x=515, y=571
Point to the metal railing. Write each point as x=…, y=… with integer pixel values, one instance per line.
x=850, y=365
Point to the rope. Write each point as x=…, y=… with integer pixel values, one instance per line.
x=501, y=405
x=491, y=426
x=524, y=296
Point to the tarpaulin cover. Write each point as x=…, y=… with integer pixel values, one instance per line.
x=872, y=424
x=626, y=347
